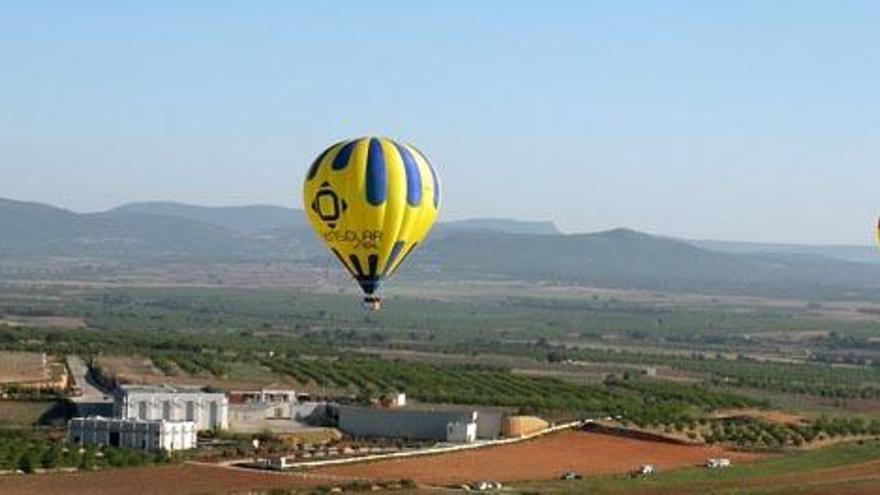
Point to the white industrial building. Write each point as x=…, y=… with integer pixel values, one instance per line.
x=207, y=410
x=132, y=433
x=450, y=425
x=460, y=432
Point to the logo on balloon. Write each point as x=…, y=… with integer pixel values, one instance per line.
x=328, y=206
x=365, y=239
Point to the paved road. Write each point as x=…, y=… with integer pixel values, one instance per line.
x=93, y=400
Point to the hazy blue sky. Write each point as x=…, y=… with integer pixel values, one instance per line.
x=726, y=120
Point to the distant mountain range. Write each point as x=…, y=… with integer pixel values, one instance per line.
x=858, y=254
x=260, y=218
x=34, y=229
x=499, y=225
x=246, y=219
x=624, y=258
x=480, y=248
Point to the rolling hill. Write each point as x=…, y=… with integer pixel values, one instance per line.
x=498, y=225
x=33, y=229
x=858, y=254
x=620, y=258
x=248, y=219
x=625, y=258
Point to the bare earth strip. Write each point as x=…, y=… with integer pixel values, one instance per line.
x=541, y=459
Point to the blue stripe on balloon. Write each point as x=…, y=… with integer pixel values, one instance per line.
x=376, y=183
x=413, y=178
x=342, y=158
x=436, y=186
x=433, y=176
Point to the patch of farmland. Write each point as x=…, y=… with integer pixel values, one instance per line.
x=62, y=322
x=130, y=369
x=18, y=413
x=236, y=374
x=544, y=458
x=21, y=367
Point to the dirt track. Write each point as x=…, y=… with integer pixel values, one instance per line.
x=541, y=459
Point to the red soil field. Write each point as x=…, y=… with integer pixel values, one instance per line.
x=541, y=459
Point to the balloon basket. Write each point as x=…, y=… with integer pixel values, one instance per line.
x=372, y=303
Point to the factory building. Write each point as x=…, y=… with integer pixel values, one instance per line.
x=132, y=433
x=247, y=407
x=461, y=432
x=441, y=425
x=208, y=410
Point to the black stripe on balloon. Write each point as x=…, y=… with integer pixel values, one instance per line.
x=313, y=170
x=395, y=252
x=341, y=259
x=407, y=253
x=369, y=285
x=356, y=263
x=373, y=263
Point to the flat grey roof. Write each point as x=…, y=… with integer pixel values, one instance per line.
x=163, y=388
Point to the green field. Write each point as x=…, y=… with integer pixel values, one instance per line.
x=571, y=354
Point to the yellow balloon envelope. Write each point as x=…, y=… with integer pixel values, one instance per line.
x=372, y=200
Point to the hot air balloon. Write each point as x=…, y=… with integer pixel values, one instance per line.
x=372, y=200
x=878, y=232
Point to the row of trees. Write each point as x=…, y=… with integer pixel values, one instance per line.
x=28, y=451
x=640, y=401
x=759, y=433
x=815, y=379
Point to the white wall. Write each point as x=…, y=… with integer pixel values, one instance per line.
x=207, y=410
x=147, y=435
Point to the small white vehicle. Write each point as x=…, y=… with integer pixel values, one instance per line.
x=714, y=463
x=485, y=486
x=643, y=470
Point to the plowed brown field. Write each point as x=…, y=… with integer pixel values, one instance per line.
x=540, y=459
